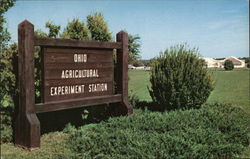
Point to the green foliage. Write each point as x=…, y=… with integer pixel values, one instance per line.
x=228, y=65
x=76, y=29
x=38, y=64
x=7, y=55
x=152, y=62
x=6, y=124
x=69, y=128
x=4, y=34
x=8, y=68
x=53, y=29
x=41, y=34
x=134, y=48
x=98, y=27
x=133, y=99
x=8, y=92
x=179, y=79
x=214, y=131
x=137, y=63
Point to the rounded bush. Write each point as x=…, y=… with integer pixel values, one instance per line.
x=228, y=65
x=179, y=79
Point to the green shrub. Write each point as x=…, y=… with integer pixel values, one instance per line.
x=180, y=79
x=214, y=131
x=8, y=91
x=6, y=124
x=133, y=99
x=228, y=65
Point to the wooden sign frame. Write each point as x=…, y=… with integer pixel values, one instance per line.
x=27, y=125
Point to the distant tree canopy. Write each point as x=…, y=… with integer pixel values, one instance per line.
x=134, y=48
x=228, y=65
x=76, y=29
x=98, y=27
x=53, y=29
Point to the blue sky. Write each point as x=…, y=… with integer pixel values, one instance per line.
x=219, y=28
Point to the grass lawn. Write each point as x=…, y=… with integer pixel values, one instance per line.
x=52, y=146
x=230, y=86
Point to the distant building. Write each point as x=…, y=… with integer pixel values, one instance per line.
x=140, y=68
x=237, y=62
x=131, y=67
x=213, y=63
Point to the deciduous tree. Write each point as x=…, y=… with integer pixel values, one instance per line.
x=76, y=29
x=134, y=48
x=7, y=78
x=98, y=27
x=53, y=29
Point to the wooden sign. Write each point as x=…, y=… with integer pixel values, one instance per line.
x=71, y=73
x=75, y=74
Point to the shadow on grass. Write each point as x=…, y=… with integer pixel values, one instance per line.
x=149, y=105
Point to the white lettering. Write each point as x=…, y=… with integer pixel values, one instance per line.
x=64, y=90
x=80, y=58
x=100, y=87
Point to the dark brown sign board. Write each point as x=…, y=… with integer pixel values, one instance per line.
x=71, y=73
x=75, y=74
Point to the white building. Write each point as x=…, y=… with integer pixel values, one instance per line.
x=131, y=67
x=237, y=62
x=213, y=63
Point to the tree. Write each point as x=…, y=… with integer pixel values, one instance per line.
x=228, y=65
x=134, y=48
x=138, y=63
x=76, y=29
x=4, y=34
x=53, y=29
x=98, y=27
x=7, y=77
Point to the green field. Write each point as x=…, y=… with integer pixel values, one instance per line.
x=230, y=86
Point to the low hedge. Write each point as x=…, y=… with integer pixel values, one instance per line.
x=214, y=131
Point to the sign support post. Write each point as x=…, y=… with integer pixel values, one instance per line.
x=124, y=107
x=27, y=125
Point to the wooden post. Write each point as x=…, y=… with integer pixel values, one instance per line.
x=27, y=126
x=124, y=107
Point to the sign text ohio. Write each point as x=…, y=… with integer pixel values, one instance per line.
x=75, y=73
